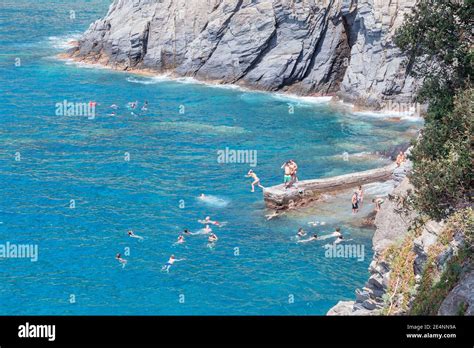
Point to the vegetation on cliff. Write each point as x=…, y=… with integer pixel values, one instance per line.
x=437, y=37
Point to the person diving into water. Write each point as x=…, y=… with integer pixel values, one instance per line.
x=256, y=180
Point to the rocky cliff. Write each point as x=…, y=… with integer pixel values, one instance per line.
x=420, y=266
x=309, y=47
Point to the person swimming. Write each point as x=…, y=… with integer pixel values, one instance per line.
x=133, y=235
x=301, y=232
x=145, y=106
x=170, y=263
x=123, y=262
x=208, y=221
x=310, y=239
x=337, y=232
x=212, y=238
x=213, y=200
x=132, y=105
x=256, y=180
x=180, y=240
x=339, y=239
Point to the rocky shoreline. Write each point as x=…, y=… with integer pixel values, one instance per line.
x=427, y=246
x=343, y=49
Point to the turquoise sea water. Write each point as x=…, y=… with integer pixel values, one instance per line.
x=173, y=159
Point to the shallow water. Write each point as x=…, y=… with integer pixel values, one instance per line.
x=173, y=159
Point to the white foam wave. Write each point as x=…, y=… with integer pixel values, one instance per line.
x=214, y=201
x=64, y=42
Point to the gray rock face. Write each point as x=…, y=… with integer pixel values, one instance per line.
x=461, y=298
x=308, y=47
x=391, y=227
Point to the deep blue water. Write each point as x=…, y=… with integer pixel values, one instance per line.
x=173, y=159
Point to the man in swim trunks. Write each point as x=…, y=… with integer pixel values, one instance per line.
x=355, y=203
x=287, y=177
x=256, y=180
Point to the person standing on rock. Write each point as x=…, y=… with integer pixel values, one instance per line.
x=287, y=177
x=355, y=203
x=294, y=170
x=256, y=180
x=400, y=159
x=360, y=195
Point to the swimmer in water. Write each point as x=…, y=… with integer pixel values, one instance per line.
x=256, y=180
x=180, y=240
x=212, y=238
x=310, y=239
x=133, y=235
x=208, y=220
x=339, y=239
x=202, y=196
x=123, y=262
x=145, y=106
x=337, y=233
x=170, y=263
x=301, y=232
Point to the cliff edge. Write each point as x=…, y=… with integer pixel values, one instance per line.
x=316, y=47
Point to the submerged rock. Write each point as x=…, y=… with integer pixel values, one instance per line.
x=344, y=47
